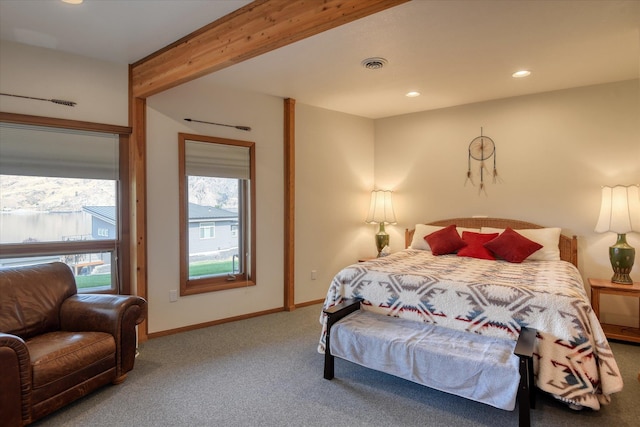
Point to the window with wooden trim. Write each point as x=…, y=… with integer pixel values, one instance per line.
x=60, y=192
x=217, y=213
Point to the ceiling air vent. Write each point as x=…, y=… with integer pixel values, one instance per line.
x=374, y=63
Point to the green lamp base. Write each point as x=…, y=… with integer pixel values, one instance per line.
x=382, y=239
x=622, y=256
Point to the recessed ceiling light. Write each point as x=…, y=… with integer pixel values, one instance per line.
x=73, y=1
x=520, y=74
x=412, y=94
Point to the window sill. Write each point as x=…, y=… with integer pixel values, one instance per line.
x=192, y=288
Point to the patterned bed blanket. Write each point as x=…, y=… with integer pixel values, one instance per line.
x=573, y=360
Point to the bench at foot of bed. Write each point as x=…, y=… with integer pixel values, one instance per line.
x=484, y=369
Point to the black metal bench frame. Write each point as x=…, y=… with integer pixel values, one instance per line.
x=524, y=350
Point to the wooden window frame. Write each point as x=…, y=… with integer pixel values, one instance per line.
x=248, y=245
x=120, y=244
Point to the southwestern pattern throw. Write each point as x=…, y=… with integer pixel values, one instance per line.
x=573, y=360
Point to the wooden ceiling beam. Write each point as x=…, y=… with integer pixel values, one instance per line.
x=257, y=28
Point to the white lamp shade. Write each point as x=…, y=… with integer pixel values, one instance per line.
x=381, y=208
x=620, y=210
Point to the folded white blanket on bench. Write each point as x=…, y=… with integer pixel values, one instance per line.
x=476, y=367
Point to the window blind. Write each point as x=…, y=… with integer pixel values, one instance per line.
x=53, y=152
x=217, y=160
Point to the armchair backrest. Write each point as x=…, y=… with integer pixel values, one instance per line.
x=30, y=298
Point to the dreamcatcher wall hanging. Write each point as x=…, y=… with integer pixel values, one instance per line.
x=482, y=148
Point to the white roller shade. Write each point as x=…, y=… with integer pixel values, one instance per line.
x=52, y=152
x=217, y=160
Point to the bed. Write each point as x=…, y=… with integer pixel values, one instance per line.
x=543, y=291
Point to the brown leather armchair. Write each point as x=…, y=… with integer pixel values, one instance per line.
x=57, y=345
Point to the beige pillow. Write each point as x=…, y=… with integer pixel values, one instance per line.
x=422, y=230
x=549, y=238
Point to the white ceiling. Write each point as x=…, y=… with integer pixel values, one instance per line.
x=121, y=31
x=453, y=52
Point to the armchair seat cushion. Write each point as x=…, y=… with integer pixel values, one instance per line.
x=61, y=359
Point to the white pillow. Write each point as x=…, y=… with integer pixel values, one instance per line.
x=422, y=230
x=549, y=238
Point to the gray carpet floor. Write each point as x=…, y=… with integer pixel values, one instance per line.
x=266, y=371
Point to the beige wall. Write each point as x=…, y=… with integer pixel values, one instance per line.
x=100, y=88
x=554, y=152
x=334, y=173
x=334, y=176
x=166, y=111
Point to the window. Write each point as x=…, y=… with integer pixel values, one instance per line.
x=59, y=200
x=217, y=214
x=207, y=230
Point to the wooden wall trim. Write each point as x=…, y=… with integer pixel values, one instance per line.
x=124, y=221
x=138, y=202
x=309, y=303
x=257, y=28
x=213, y=323
x=289, y=202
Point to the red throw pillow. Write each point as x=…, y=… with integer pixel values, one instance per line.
x=475, y=245
x=512, y=246
x=445, y=241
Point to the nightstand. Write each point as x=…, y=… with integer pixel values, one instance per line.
x=618, y=332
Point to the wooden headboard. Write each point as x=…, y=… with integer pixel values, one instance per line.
x=568, y=245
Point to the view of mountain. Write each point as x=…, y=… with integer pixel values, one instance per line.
x=53, y=194
x=44, y=194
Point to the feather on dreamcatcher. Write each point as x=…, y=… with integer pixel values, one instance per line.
x=482, y=148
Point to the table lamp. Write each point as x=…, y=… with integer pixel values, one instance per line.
x=381, y=212
x=620, y=213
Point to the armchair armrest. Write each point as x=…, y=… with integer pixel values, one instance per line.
x=114, y=314
x=15, y=380
x=100, y=312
